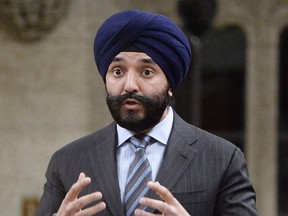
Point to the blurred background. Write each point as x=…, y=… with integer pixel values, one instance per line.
x=52, y=94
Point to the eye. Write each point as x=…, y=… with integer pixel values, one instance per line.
x=147, y=73
x=117, y=72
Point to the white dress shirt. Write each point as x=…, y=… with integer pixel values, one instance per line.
x=125, y=150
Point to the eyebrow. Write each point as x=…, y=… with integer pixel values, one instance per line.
x=117, y=59
x=147, y=60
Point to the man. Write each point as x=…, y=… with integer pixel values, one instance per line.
x=142, y=57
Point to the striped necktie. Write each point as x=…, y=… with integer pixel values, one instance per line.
x=139, y=174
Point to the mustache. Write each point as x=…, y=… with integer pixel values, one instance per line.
x=116, y=100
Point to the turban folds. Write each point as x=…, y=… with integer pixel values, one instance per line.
x=153, y=34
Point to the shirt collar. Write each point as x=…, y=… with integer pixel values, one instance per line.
x=160, y=132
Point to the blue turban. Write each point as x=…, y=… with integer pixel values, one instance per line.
x=153, y=34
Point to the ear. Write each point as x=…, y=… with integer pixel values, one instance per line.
x=170, y=93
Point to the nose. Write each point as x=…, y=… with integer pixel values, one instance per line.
x=131, y=83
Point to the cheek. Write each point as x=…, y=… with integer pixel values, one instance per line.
x=113, y=88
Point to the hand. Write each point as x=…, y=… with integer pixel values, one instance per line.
x=169, y=206
x=72, y=205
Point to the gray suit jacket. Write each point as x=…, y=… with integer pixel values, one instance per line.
x=207, y=174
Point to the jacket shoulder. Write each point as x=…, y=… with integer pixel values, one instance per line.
x=202, y=138
x=89, y=140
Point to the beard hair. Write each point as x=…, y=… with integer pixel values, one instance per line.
x=154, y=108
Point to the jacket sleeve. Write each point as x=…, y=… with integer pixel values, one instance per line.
x=236, y=195
x=53, y=193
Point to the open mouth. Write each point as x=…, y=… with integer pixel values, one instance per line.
x=131, y=104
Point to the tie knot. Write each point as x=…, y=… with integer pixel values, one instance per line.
x=142, y=142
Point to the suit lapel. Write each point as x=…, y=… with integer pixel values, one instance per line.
x=178, y=155
x=103, y=159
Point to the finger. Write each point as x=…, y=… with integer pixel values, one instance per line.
x=92, y=210
x=155, y=204
x=162, y=191
x=139, y=212
x=76, y=188
x=85, y=200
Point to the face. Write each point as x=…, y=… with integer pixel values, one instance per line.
x=137, y=91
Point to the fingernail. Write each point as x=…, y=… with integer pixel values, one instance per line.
x=98, y=195
x=87, y=180
x=137, y=212
x=102, y=205
x=142, y=201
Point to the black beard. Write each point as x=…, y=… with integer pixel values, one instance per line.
x=130, y=119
